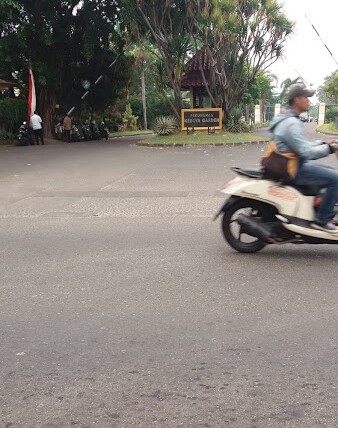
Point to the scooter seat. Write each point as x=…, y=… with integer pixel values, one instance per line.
x=252, y=173
x=259, y=174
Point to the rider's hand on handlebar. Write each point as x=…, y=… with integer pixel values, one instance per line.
x=334, y=145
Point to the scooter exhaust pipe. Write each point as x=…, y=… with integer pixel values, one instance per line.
x=253, y=228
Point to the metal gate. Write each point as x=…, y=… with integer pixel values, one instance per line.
x=313, y=113
x=268, y=113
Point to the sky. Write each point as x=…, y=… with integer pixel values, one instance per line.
x=305, y=54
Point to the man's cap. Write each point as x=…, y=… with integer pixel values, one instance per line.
x=298, y=90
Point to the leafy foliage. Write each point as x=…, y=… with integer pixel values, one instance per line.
x=12, y=112
x=6, y=135
x=331, y=113
x=67, y=42
x=166, y=24
x=238, y=38
x=129, y=120
x=159, y=96
x=71, y=41
x=165, y=125
x=236, y=123
x=285, y=85
x=330, y=87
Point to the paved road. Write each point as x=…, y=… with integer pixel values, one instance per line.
x=310, y=129
x=121, y=305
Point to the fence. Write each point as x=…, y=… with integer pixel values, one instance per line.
x=317, y=113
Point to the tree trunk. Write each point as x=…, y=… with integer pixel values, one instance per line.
x=247, y=113
x=144, y=101
x=46, y=109
x=262, y=110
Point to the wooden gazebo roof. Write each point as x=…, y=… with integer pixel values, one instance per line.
x=6, y=85
x=193, y=76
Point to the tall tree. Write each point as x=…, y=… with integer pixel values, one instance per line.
x=328, y=92
x=261, y=91
x=166, y=24
x=66, y=41
x=240, y=37
x=285, y=85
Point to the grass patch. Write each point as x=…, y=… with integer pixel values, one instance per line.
x=200, y=138
x=129, y=133
x=261, y=125
x=327, y=128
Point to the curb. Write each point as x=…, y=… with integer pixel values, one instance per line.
x=327, y=133
x=132, y=135
x=144, y=144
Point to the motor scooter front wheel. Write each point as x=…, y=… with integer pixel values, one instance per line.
x=232, y=230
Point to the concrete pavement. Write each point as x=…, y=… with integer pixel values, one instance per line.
x=122, y=306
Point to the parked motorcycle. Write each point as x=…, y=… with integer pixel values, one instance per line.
x=75, y=134
x=86, y=132
x=24, y=136
x=94, y=131
x=103, y=130
x=259, y=212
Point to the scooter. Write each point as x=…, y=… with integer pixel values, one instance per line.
x=260, y=212
x=103, y=130
x=75, y=134
x=86, y=132
x=24, y=136
x=94, y=131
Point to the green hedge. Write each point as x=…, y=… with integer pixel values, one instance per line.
x=331, y=113
x=5, y=135
x=13, y=111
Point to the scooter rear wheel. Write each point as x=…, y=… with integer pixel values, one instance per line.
x=232, y=232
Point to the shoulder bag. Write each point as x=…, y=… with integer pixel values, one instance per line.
x=280, y=166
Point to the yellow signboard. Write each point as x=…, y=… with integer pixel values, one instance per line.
x=201, y=118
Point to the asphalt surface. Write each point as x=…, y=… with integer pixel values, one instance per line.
x=122, y=306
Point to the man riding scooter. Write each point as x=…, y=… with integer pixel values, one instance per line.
x=288, y=133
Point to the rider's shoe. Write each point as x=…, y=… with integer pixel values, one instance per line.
x=328, y=227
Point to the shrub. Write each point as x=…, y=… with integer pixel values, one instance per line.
x=165, y=125
x=12, y=112
x=5, y=135
x=331, y=113
x=112, y=122
x=236, y=122
x=129, y=120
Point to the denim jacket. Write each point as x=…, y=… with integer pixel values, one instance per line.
x=288, y=133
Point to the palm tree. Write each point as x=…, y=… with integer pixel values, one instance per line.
x=141, y=56
x=285, y=85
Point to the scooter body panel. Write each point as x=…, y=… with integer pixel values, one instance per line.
x=286, y=199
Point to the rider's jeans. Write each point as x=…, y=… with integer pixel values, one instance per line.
x=312, y=173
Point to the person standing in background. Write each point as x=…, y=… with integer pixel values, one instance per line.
x=36, y=124
x=67, y=127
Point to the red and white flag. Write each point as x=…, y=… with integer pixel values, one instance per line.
x=31, y=95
